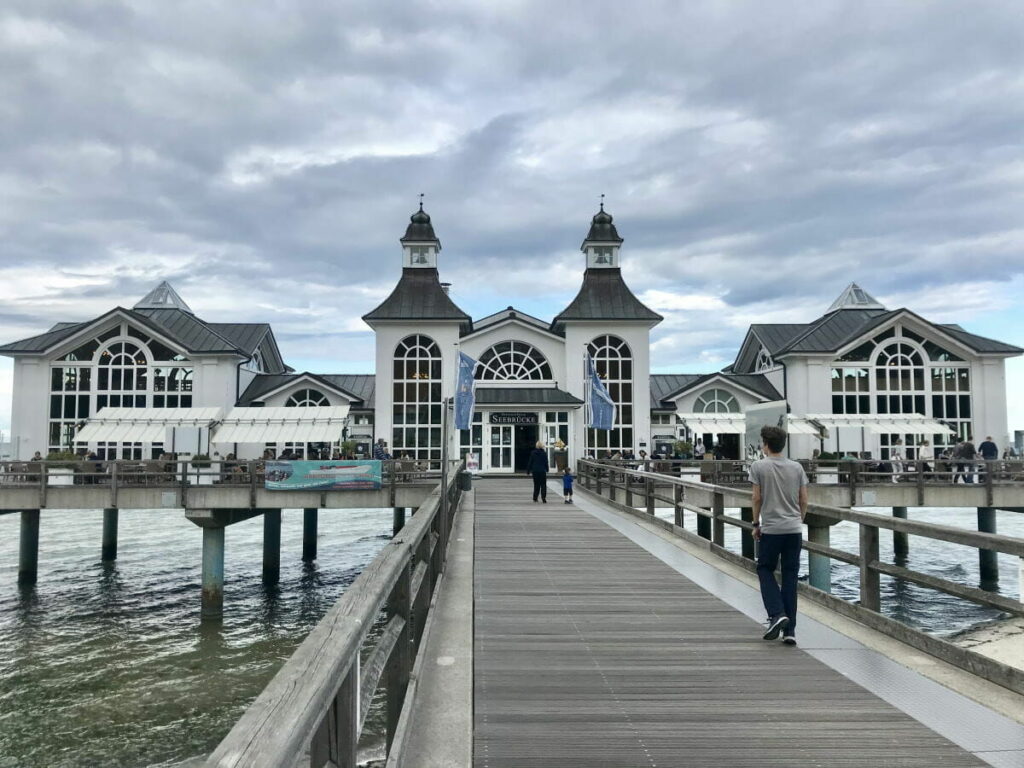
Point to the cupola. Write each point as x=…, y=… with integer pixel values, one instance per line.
x=420, y=245
x=602, y=242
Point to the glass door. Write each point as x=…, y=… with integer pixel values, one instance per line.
x=501, y=448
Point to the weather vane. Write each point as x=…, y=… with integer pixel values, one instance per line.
x=602, y=201
x=421, y=201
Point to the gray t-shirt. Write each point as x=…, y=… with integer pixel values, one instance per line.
x=780, y=480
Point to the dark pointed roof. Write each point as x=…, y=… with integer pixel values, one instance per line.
x=418, y=296
x=420, y=230
x=602, y=229
x=604, y=295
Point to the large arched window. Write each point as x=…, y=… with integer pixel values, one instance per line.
x=307, y=397
x=416, y=431
x=613, y=360
x=513, y=361
x=716, y=401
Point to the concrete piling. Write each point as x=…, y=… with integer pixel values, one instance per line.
x=213, y=572
x=309, y=526
x=28, y=558
x=988, y=560
x=900, y=540
x=109, y=547
x=271, y=546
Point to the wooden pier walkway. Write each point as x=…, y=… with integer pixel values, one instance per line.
x=591, y=652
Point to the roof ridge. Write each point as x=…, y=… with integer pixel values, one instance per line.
x=194, y=317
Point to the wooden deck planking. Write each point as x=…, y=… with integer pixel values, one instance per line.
x=591, y=652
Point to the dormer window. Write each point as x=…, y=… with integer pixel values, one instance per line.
x=602, y=256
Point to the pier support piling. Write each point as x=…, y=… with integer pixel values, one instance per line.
x=988, y=560
x=109, y=547
x=309, y=525
x=900, y=540
x=28, y=560
x=397, y=520
x=213, y=572
x=819, y=566
x=746, y=537
x=271, y=546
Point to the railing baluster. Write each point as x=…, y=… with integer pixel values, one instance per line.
x=649, y=495
x=718, y=510
x=677, y=497
x=346, y=719
x=400, y=662
x=870, y=584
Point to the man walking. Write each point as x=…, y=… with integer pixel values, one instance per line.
x=538, y=467
x=780, y=505
x=989, y=452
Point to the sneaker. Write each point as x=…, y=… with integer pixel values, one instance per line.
x=789, y=639
x=544, y=501
x=775, y=626
x=567, y=501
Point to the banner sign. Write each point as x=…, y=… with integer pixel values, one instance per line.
x=601, y=407
x=465, y=397
x=323, y=475
x=514, y=418
x=472, y=462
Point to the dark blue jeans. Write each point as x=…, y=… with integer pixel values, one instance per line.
x=776, y=601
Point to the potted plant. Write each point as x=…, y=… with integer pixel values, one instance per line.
x=683, y=449
x=61, y=467
x=348, y=449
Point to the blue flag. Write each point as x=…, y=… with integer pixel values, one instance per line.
x=465, y=396
x=601, y=407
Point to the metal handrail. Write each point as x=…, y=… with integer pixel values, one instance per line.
x=318, y=700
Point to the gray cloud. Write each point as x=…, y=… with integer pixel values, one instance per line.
x=267, y=158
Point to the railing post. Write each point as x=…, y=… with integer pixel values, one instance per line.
x=597, y=478
x=253, y=466
x=870, y=585
x=746, y=537
x=988, y=482
x=43, y=482
x=392, y=482
x=612, y=490
x=346, y=719
x=677, y=503
x=400, y=662
x=853, y=483
x=629, y=488
x=113, y=485
x=649, y=495
x=718, y=509
x=920, y=481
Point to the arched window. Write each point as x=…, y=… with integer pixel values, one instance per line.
x=900, y=387
x=764, y=360
x=613, y=360
x=513, y=361
x=123, y=376
x=307, y=397
x=716, y=401
x=416, y=431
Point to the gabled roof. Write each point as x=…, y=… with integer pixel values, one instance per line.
x=980, y=343
x=755, y=383
x=832, y=331
x=855, y=297
x=525, y=396
x=187, y=329
x=263, y=385
x=163, y=297
x=362, y=385
x=604, y=295
x=245, y=336
x=43, y=341
x=511, y=314
x=418, y=296
x=664, y=384
x=776, y=336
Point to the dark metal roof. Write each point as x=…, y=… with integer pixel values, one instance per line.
x=44, y=340
x=420, y=230
x=510, y=313
x=832, y=331
x=604, y=295
x=756, y=382
x=358, y=386
x=63, y=326
x=524, y=396
x=245, y=336
x=602, y=230
x=664, y=384
x=186, y=329
x=418, y=296
x=776, y=336
x=980, y=343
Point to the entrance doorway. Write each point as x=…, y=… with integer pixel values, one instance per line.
x=526, y=440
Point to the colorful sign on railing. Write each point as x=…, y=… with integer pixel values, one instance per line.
x=323, y=475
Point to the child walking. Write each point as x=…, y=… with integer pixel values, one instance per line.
x=567, y=478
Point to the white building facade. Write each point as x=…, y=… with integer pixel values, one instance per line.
x=857, y=360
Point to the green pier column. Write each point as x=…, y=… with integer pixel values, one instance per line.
x=28, y=559
x=271, y=546
x=109, y=547
x=309, y=524
x=746, y=537
x=819, y=567
x=988, y=560
x=397, y=520
x=900, y=540
x=213, y=572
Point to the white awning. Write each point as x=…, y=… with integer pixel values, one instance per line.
x=795, y=425
x=142, y=425
x=714, y=423
x=315, y=424
x=878, y=424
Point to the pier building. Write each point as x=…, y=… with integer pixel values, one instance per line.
x=856, y=379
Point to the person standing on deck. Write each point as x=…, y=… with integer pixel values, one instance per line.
x=989, y=452
x=779, y=506
x=538, y=467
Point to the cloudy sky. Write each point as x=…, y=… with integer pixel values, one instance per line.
x=265, y=157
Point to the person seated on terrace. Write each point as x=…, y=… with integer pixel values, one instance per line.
x=37, y=456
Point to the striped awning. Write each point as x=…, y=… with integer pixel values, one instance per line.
x=796, y=425
x=714, y=423
x=142, y=425
x=314, y=424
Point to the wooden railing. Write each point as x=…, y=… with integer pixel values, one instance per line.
x=313, y=710
x=627, y=486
